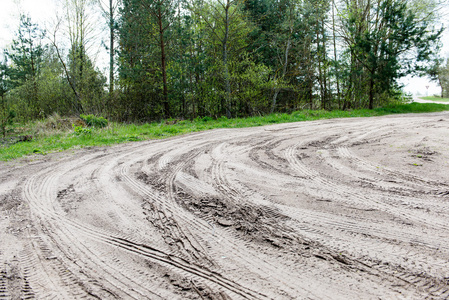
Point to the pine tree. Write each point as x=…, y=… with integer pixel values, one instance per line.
x=26, y=56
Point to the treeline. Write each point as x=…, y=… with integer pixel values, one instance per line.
x=190, y=58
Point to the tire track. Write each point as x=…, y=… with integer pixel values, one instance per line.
x=351, y=229
x=206, y=228
x=279, y=212
x=203, y=227
x=41, y=203
x=357, y=198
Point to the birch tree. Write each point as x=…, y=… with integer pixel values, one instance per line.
x=78, y=24
x=109, y=9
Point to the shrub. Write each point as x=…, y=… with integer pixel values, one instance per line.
x=93, y=121
x=207, y=119
x=79, y=130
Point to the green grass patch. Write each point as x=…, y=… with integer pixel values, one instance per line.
x=75, y=138
x=435, y=98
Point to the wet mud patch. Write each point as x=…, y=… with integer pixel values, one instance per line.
x=189, y=168
x=13, y=283
x=255, y=223
x=69, y=199
x=154, y=180
x=424, y=154
x=192, y=289
x=321, y=142
x=10, y=201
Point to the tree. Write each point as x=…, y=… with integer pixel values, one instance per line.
x=227, y=31
x=287, y=29
x=110, y=11
x=85, y=81
x=4, y=84
x=26, y=57
x=388, y=41
x=146, y=37
x=6, y=114
x=335, y=58
x=162, y=14
x=443, y=79
x=291, y=38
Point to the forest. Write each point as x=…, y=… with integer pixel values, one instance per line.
x=185, y=59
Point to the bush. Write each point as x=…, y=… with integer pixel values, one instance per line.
x=207, y=119
x=79, y=130
x=93, y=121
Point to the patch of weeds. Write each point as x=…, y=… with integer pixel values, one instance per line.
x=171, y=130
x=203, y=119
x=38, y=151
x=93, y=121
x=79, y=130
x=133, y=138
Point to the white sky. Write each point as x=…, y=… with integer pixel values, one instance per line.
x=41, y=11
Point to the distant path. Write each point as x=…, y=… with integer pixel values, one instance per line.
x=419, y=100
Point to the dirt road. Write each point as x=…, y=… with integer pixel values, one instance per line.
x=333, y=209
x=419, y=100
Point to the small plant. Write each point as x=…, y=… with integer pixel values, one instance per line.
x=79, y=130
x=206, y=119
x=38, y=151
x=93, y=121
x=132, y=138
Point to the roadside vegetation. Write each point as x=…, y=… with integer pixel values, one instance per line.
x=187, y=59
x=58, y=134
x=180, y=66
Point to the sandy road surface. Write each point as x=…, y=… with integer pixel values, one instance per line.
x=419, y=100
x=334, y=209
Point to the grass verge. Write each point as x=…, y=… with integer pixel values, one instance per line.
x=61, y=140
x=435, y=98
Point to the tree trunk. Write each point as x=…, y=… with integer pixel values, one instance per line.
x=3, y=117
x=335, y=56
x=163, y=64
x=34, y=74
x=111, y=50
x=320, y=72
x=77, y=105
x=225, y=63
x=441, y=85
x=284, y=71
x=325, y=91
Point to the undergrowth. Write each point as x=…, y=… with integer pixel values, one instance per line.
x=58, y=134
